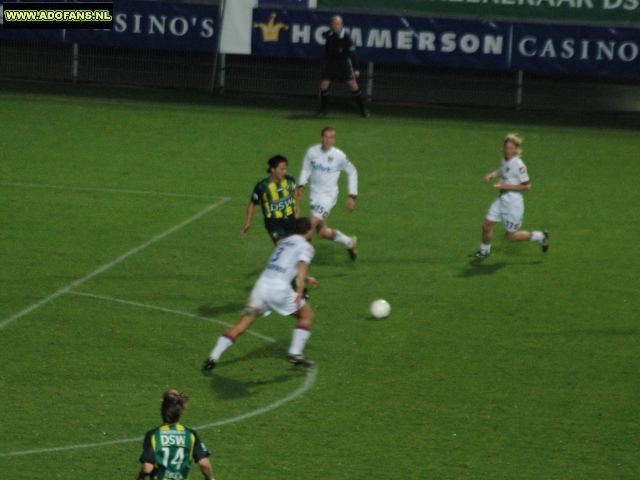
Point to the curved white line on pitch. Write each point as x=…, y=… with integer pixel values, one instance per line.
x=121, y=258
x=168, y=310
x=308, y=383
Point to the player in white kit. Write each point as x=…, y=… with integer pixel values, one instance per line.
x=509, y=206
x=273, y=291
x=323, y=164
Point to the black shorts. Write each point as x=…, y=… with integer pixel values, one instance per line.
x=279, y=228
x=338, y=70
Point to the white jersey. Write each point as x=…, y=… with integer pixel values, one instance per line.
x=283, y=265
x=513, y=172
x=324, y=169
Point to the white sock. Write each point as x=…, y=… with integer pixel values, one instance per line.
x=342, y=238
x=536, y=237
x=485, y=247
x=299, y=339
x=224, y=342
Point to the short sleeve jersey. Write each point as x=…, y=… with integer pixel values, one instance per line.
x=513, y=172
x=276, y=199
x=283, y=265
x=324, y=170
x=172, y=449
x=339, y=47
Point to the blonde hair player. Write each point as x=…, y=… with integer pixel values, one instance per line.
x=321, y=166
x=509, y=206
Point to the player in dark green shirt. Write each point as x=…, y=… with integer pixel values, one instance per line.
x=169, y=451
x=275, y=195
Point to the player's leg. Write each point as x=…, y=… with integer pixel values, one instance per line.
x=320, y=210
x=487, y=232
x=485, y=244
x=356, y=93
x=254, y=308
x=337, y=236
x=494, y=215
x=324, y=96
x=542, y=237
x=513, y=222
x=300, y=335
x=226, y=340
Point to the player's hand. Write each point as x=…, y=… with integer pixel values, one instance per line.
x=351, y=204
x=487, y=178
x=311, y=281
x=501, y=185
x=356, y=73
x=298, y=195
x=244, y=231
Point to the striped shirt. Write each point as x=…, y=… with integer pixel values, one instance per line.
x=276, y=199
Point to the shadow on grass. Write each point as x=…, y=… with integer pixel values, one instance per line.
x=229, y=388
x=612, y=332
x=303, y=116
x=621, y=120
x=478, y=268
x=215, y=311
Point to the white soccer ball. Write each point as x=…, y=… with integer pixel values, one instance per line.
x=380, y=308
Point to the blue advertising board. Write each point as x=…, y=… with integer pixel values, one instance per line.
x=455, y=43
x=143, y=24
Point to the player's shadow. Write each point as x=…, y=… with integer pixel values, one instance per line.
x=303, y=116
x=478, y=268
x=253, y=275
x=212, y=311
x=229, y=388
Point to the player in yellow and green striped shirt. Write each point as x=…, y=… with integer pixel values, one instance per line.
x=275, y=195
x=169, y=451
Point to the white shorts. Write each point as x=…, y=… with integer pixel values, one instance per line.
x=509, y=212
x=268, y=295
x=321, y=205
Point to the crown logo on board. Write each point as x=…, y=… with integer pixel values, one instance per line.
x=271, y=30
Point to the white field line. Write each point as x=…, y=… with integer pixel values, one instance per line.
x=177, y=312
x=106, y=190
x=308, y=383
x=100, y=270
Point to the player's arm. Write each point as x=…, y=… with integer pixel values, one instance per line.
x=145, y=471
x=301, y=279
x=251, y=208
x=490, y=176
x=205, y=468
x=518, y=188
x=305, y=173
x=352, y=174
x=297, y=205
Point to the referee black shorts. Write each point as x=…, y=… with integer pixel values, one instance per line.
x=338, y=71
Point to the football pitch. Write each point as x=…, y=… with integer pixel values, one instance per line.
x=122, y=264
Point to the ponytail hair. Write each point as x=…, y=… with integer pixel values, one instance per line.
x=173, y=404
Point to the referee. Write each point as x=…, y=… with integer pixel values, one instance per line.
x=340, y=64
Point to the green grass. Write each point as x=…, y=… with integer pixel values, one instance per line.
x=522, y=365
